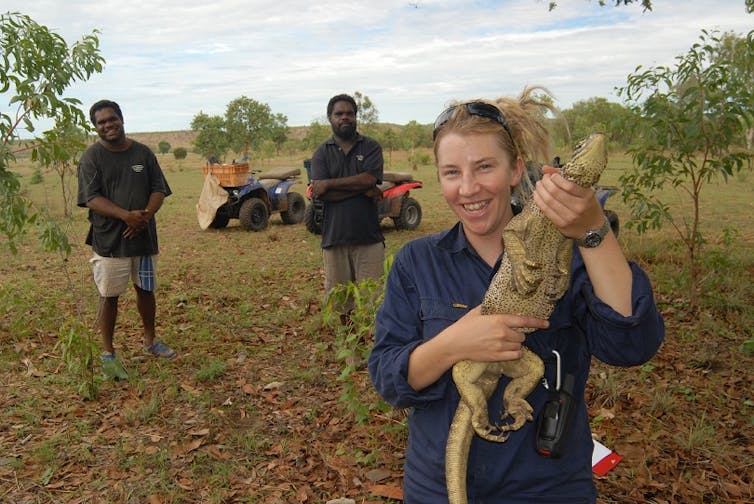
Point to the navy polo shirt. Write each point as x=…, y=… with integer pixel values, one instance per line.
x=433, y=282
x=352, y=221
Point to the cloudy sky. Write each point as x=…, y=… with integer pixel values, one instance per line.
x=168, y=60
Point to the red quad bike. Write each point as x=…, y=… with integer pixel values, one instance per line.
x=396, y=202
x=253, y=200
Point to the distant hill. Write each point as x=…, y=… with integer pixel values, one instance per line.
x=174, y=138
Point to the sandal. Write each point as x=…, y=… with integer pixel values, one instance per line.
x=160, y=349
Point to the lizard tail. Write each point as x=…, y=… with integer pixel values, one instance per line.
x=457, y=454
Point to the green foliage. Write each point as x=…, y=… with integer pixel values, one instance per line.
x=417, y=158
x=248, y=123
x=390, y=142
x=354, y=340
x=279, y=131
x=597, y=114
x=36, y=67
x=747, y=346
x=79, y=352
x=367, y=114
x=688, y=120
x=646, y=4
x=317, y=133
x=52, y=237
x=36, y=177
x=212, y=138
x=15, y=210
x=180, y=153
x=416, y=135
x=67, y=141
x=163, y=147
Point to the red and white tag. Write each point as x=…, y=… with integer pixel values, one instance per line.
x=603, y=459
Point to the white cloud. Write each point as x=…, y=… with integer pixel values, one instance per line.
x=167, y=61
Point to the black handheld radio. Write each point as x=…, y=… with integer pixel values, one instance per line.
x=554, y=421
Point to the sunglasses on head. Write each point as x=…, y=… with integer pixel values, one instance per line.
x=480, y=109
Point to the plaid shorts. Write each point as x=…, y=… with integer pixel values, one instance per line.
x=111, y=274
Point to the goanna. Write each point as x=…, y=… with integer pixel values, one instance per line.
x=534, y=274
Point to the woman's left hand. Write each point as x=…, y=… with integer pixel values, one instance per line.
x=572, y=208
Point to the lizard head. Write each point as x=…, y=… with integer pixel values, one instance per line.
x=588, y=161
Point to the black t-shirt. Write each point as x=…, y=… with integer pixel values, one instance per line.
x=353, y=221
x=127, y=179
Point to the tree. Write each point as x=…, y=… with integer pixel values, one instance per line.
x=279, y=131
x=36, y=68
x=388, y=138
x=368, y=115
x=212, y=139
x=416, y=135
x=732, y=48
x=248, y=123
x=70, y=141
x=163, y=147
x=180, y=153
x=598, y=114
x=688, y=120
x=317, y=133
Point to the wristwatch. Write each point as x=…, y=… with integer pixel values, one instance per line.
x=594, y=237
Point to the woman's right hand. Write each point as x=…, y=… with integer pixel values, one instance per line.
x=492, y=337
x=474, y=336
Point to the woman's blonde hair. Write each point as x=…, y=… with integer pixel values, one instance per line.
x=523, y=135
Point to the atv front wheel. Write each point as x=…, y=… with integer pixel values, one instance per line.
x=410, y=216
x=253, y=214
x=296, y=209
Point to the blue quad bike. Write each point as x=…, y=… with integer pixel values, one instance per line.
x=252, y=203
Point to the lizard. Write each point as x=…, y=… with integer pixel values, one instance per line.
x=534, y=274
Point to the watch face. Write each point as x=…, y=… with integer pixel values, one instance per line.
x=592, y=239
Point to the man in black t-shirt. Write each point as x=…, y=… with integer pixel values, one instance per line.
x=346, y=169
x=122, y=185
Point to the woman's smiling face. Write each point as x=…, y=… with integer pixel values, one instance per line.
x=476, y=177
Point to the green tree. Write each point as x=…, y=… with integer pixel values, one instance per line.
x=688, y=120
x=249, y=123
x=368, y=115
x=36, y=68
x=70, y=141
x=390, y=142
x=732, y=48
x=163, y=147
x=212, y=138
x=279, y=131
x=317, y=133
x=598, y=114
x=416, y=135
x=180, y=153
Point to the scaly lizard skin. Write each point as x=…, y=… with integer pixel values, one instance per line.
x=534, y=274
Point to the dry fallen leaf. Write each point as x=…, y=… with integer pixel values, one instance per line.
x=389, y=491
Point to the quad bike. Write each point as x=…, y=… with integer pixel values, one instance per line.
x=253, y=201
x=396, y=202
